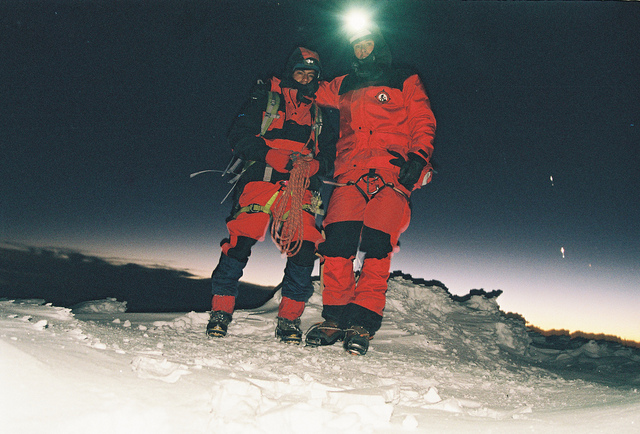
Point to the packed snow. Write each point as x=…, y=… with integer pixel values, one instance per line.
x=437, y=365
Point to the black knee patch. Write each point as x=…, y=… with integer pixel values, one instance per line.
x=375, y=243
x=306, y=256
x=242, y=250
x=342, y=239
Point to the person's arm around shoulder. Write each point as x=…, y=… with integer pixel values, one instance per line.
x=327, y=94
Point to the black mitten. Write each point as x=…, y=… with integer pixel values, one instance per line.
x=411, y=170
x=398, y=160
x=251, y=148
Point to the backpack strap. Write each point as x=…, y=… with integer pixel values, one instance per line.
x=315, y=207
x=271, y=112
x=317, y=121
x=255, y=207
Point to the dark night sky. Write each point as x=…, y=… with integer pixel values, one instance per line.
x=107, y=107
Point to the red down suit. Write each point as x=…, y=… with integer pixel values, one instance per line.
x=266, y=176
x=277, y=124
x=380, y=119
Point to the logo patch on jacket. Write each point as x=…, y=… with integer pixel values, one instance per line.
x=383, y=97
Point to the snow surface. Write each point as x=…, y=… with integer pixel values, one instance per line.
x=437, y=366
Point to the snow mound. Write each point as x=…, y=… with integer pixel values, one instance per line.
x=438, y=364
x=109, y=305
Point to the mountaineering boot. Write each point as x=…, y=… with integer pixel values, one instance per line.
x=324, y=333
x=218, y=323
x=356, y=340
x=288, y=331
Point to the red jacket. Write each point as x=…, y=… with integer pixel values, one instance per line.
x=393, y=114
x=290, y=110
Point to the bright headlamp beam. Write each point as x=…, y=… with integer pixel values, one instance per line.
x=357, y=20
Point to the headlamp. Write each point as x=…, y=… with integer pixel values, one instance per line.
x=357, y=24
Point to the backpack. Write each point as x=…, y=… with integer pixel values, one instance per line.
x=270, y=113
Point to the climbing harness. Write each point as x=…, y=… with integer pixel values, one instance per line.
x=287, y=214
x=369, y=185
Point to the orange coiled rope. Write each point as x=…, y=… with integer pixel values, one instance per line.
x=288, y=225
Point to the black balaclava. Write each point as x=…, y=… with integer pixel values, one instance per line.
x=373, y=66
x=302, y=58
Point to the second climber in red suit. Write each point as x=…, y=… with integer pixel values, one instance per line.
x=269, y=159
x=387, y=130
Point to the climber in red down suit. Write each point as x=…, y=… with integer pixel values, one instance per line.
x=387, y=130
x=268, y=143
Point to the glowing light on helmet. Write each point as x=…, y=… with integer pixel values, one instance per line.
x=357, y=24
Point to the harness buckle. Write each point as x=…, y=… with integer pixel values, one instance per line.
x=254, y=208
x=372, y=180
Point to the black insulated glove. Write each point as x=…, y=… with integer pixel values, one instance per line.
x=398, y=161
x=410, y=170
x=251, y=148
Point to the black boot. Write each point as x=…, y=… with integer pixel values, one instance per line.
x=288, y=331
x=324, y=333
x=356, y=340
x=218, y=324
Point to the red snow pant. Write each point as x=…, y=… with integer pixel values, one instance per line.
x=257, y=199
x=375, y=220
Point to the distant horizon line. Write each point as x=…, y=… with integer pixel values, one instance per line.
x=62, y=252
x=585, y=335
